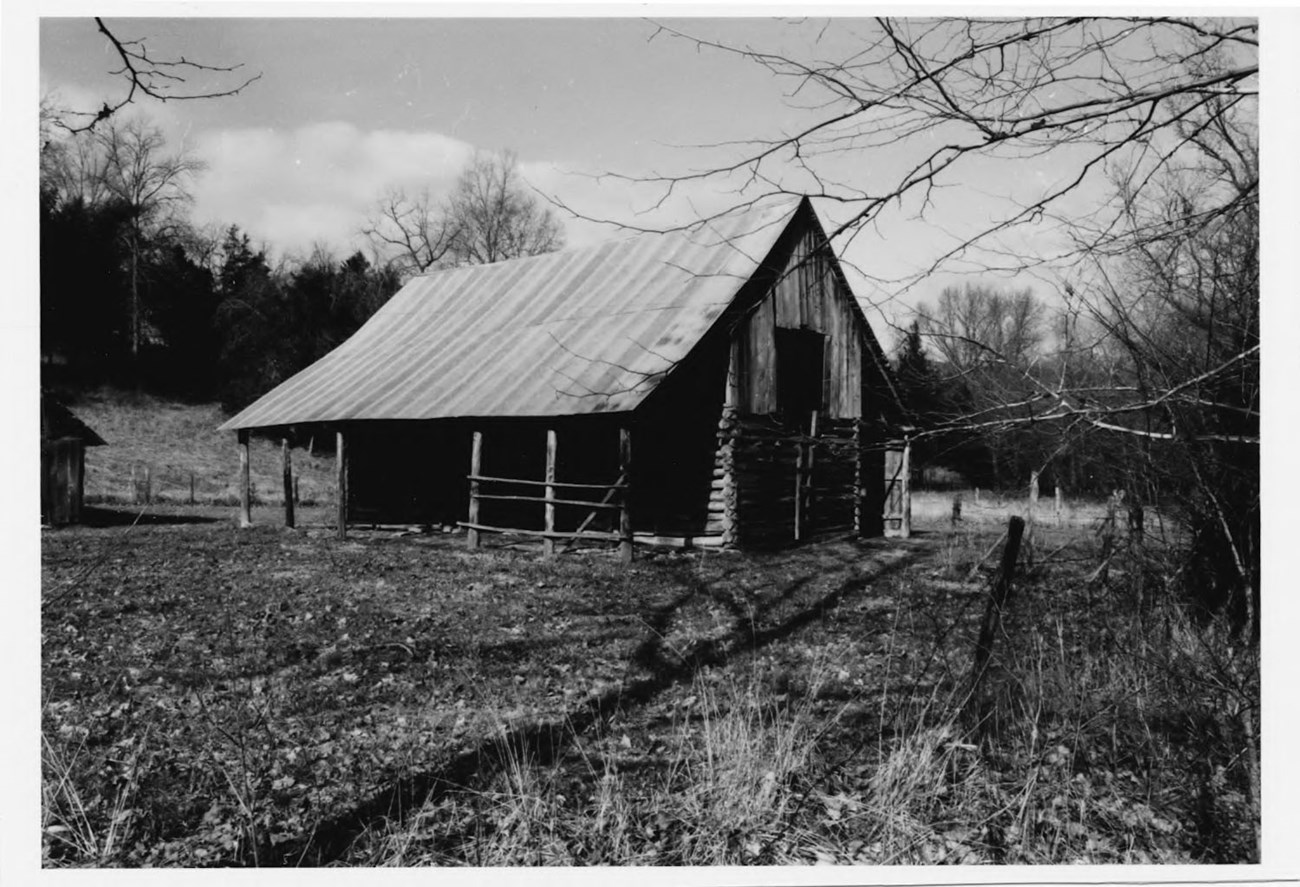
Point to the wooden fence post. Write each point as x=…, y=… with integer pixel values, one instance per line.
x=191, y=487
x=1060, y=510
x=341, y=482
x=1136, y=521
x=625, y=512
x=548, y=542
x=999, y=598
x=475, y=462
x=245, y=484
x=286, y=458
x=1107, y=533
x=1033, y=516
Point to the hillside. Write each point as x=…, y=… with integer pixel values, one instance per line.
x=176, y=440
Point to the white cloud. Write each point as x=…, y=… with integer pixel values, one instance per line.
x=316, y=183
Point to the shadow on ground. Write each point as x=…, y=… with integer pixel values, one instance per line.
x=95, y=516
x=754, y=625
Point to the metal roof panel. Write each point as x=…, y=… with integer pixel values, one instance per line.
x=578, y=331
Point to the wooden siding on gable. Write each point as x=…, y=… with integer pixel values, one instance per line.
x=808, y=295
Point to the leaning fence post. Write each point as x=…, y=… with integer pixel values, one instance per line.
x=999, y=598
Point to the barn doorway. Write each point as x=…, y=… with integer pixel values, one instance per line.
x=800, y=362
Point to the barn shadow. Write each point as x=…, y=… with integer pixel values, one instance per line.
x=98, y=517
x=543, y=742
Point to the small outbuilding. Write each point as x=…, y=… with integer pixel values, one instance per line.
x=712, y=386
x=64, y=439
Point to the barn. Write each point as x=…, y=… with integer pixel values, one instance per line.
x=716, y=386
x=64, y=439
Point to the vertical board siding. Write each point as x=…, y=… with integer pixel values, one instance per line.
x=808, y=295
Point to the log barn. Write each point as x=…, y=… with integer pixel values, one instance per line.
x=718, y=385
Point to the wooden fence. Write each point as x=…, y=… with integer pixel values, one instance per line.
x=615, y=500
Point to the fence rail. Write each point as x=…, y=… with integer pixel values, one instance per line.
x=616, y=496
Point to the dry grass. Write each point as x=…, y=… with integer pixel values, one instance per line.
x=177, y=440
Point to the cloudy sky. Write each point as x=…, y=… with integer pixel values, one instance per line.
x=348, y=107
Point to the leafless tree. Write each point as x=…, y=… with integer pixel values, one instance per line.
x=496, y=217
x=413, y=231
x=158, y=78
x=972, y=324
x=952, y=93
x=127, y=161
x=489, y=216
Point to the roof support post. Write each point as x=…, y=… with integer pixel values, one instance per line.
x=475, y=462
x=548, y=541
x=625, y=512
x=245, y=488
x=341, y=482
x=286, y=458
x=857, y=478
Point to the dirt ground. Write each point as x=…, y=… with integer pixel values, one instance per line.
x=217, y=696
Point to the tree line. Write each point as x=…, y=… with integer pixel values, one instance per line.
x=135, y=294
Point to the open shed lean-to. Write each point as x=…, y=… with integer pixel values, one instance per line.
x=712, y=386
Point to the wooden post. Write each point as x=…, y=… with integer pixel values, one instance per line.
x=625, y=513
x=956, y=510
x=809, y=463
x=1060, y=511
x=1136, y=521
x=907, y=489
x=245, y=486
x=286, y=458
x=1107, y=533
x=548, y=542
x=857, y=478
x=999, y=598
x=798, y=491
x=1033, y=515
x=341, y=482
x=727, y=433
x=475, y=461
x=191, y=487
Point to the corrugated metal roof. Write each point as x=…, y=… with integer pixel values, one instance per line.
x=578, y=331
